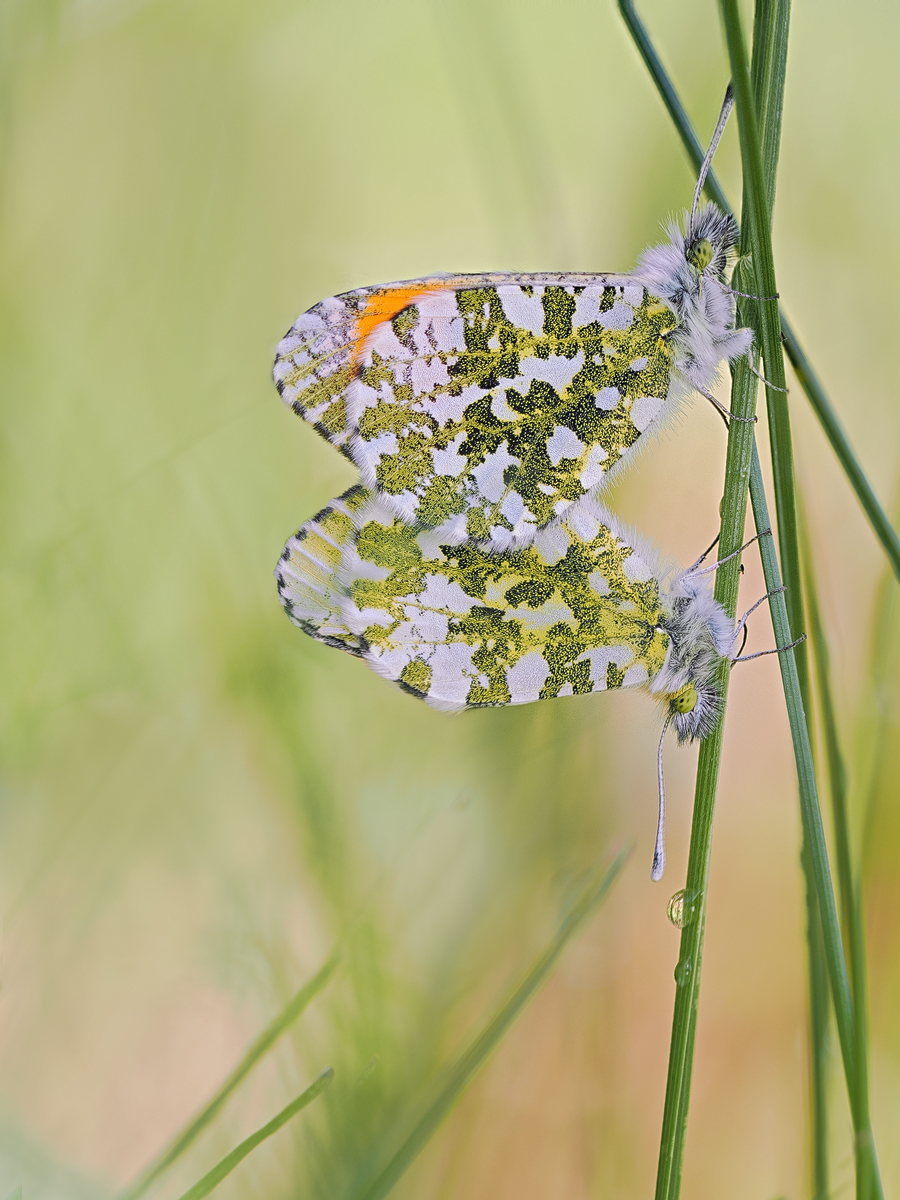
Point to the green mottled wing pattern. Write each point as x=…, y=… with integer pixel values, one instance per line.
x=484, y=406
x=307, y=572
x=460, y=626
x=316, y=362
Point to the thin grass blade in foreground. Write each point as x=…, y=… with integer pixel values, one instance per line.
x=463, y=1071
x=260, y=1047
x=809, y=381
x=214, y=1177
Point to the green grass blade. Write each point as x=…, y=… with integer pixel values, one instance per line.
x=733, y=513
x=756, y=240
x=848, y=889
x=687, y=972
x=214, y=1177
x=789, y=605
x=463, y=1071
x=765, y=43
x=837, y=774
x=771, y=24
x=875, y=722
x=840, y=444
x=768, y=66
x=815, y=840
x=819, y=1015
x=809, y=381
x=260, y=1047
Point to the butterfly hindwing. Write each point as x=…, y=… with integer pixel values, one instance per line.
x=483, y=405
x=584, y=607
x=308, y=571
x=460, y=626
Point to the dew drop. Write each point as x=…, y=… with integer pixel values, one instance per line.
x=683, y=972
x=682, y=908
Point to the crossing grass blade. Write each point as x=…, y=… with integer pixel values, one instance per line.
x=257, y=1050
x=466, y=1067
x=213, y=1178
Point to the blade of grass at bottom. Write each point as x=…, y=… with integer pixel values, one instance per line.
x=260, y=1047
x=849, y=890
x=463, y=1071
x=213, y=1178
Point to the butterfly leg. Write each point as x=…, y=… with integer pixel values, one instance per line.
x=752, y=609
x=723, y=412
x=759, y=375
x=691, y=569
x=775, y=650
x=715, y=566
x=750, y=295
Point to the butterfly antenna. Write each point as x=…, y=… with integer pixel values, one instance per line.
x=659, y=852
x=727, y=106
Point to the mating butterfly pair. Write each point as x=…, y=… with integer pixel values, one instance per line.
x=474, y=564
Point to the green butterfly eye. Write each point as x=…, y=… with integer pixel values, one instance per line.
x=700, y=254
x=684, y=700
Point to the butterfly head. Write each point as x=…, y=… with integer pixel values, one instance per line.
x=688, y=272
x=694, y=709
x=700, y=254
x=709, y=241
x=700, y=634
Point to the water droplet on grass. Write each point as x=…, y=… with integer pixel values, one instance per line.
x=683, y=972
x=682, y=908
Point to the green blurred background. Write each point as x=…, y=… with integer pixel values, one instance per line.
x=198, y=802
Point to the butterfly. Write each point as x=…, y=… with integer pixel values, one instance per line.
x=587, y=606
x=484, y=406
x=474, y=565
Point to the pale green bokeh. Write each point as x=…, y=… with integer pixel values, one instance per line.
x=198, y=801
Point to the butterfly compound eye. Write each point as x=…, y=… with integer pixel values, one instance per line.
x=684, y=700
x=700, y=253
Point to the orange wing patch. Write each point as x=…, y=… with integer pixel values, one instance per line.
x=385, y=305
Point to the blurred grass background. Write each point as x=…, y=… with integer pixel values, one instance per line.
x=198, y=802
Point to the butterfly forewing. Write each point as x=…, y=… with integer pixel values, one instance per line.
x=483, y=405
